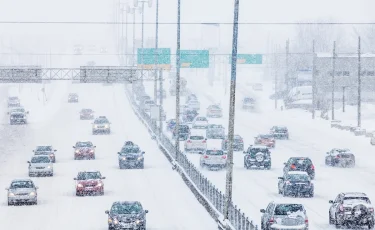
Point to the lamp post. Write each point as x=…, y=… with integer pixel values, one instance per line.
x=131, y=10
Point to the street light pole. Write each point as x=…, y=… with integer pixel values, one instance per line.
x=177, y=131
x=156, y=53
x=229, y=176
x=359, y=84
x=333, y=81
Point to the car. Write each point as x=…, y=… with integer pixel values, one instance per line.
x=193, y=103
x=126, y=215
x=296, y=183
x=248, y=103
x=89, y=183
x=86, y=114
x=45, y=150
x=72, y=98
x=213, y=158
x=280, y=132
x=237, y=143
x=200, y=123
x=182, y=134
x=351, y=209
x=18, y=116
x=195, y=143
x=303, y=164
x=131, y=156
x=146, y=105
x=163, y=94
x=14, y=102
x=284, y=216
x=215, y=131
x=40, y=165
x=214, y=111
x=340, y=157
x=101, y=125
x=266, y=140
x=189, y=116
x=84, y=150
x=171, y=123
x=257, y=156
x=22, y=191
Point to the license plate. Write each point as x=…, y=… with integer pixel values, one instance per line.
x=126, y=225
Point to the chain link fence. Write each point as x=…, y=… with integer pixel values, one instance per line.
x=202, y=187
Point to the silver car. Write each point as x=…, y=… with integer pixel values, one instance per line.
x=22, y=191
x=101, y=125
x=40, y=165
x=146, y=105
x=45, y=150
x=195, y=143
x=214, y=111
x=200, y=123
x=213, y=158
x=13, y=102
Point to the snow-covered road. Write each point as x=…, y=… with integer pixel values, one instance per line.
x=172, y=206
x=254, y=189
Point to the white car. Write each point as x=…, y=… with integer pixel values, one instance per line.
x=22, y=191
x=213, y=158
x=214, y=111
x=193, y=104
x=200, y=123
x=196, y=143
x=13, y=102
x=40, y=165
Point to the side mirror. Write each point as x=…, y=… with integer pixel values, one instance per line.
x=200, y=152
x=106, y=212
x=118, y=153
x=143, y=152
x=331, y=201
x=146, y=211
x=263, y=211
x=55, y=150
x=74, y=147
x=280, y=178
x=284, y=163
x=36, y=187
x=103, y=177
x=27, y=112
x=7, y=188
x=327, y=152
x=94, y=146
x=28, y=162
x=33, y=151
x=74, y=178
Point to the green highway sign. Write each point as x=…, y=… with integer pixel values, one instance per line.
x=146, y=58
x=248, y=59
x=195, y=58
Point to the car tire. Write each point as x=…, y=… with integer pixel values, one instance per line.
x=284, y=193
x=51, y=174
x=337, y=225
x=142, y=165
x=102, y=192
x=9, y=203
x=268, y=167
x=30, y=175
x=371, y=225
x=77, y=194
x=311, y=194
x=120, y=166
x=92, y=158
x=35, y=203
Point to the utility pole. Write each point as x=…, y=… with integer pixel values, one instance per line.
x=161, y=101
x=131, y=10
x=122, y=33
x=333, y=81
x=287, y=65
x=177, y=144
x=156, y=53
x=359, y=84
x=126, y=40
x=276, y=69
x=232, y=105
x=313, y=81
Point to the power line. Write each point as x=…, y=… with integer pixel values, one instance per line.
x=187, y=23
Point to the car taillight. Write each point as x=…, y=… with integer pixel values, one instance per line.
x=306, y=221
x=224, y=157
x=312, y=167
x=271, y=221
x=287, y=182
x=337, y=156
x=341, y=208
x=293, y=167
x=204, y=141
x=371, y=210
x=189, y=141
x=241, y=140
x=206, y=156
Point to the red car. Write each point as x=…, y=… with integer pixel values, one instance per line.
x=84, y=150
x=89, y=183
x=86, y=114
x=265, y=140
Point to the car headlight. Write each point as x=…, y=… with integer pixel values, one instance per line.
x=77, y=151
x=79, y=185
x=109, y=220
x=115, y=221
x=48, y=166
x=10, y=194
x=51, y=155
x=91, y=151
x=124, y=158
x=106, y=126
x=140, y=158
x=99, y=184
x=32, y=194
x=137, y=221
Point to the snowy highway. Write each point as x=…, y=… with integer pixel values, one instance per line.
x=254, y=189
x=161, y=190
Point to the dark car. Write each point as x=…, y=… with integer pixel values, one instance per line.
x=340, y=157
x=266, y=140
x=86, y=114
x=182, y=134
x=89, y=183
x=280, y=132
x=131, y=156
x=303, y=164
x=237, y=143
x=84, y=150
x=296, y=184
x=257, y=156
x=126, y=215
x=73, y=97
x=171, y=124
x=353, y=210
x=189, y=116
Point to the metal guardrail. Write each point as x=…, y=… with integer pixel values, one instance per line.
x=214, y=196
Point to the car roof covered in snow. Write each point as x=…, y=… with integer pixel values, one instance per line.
x=297, y=173
x=355, y=194
x=259, y=147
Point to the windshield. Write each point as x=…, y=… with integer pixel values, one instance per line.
x=13, y=98
x=215, y=152
x=281, y=130
x=73, y=95
x=298, y=177
x=287, y=209
x=40, y=160
x=89, y=176
x=130, y=149
x=265, y=136
x=216, y=126
x=196, y=138
x=18, y=110
x=248, y=100
x=184, y=129
x=215, y=107
x=44, y=148
x=257, y=150
x=86, y=110
x=201, y=119
x=101, y=121
x=301, y=161
x=84, y=144
x=149, y=102
x=120, y=209
x=22, y=184
x=357, y=199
